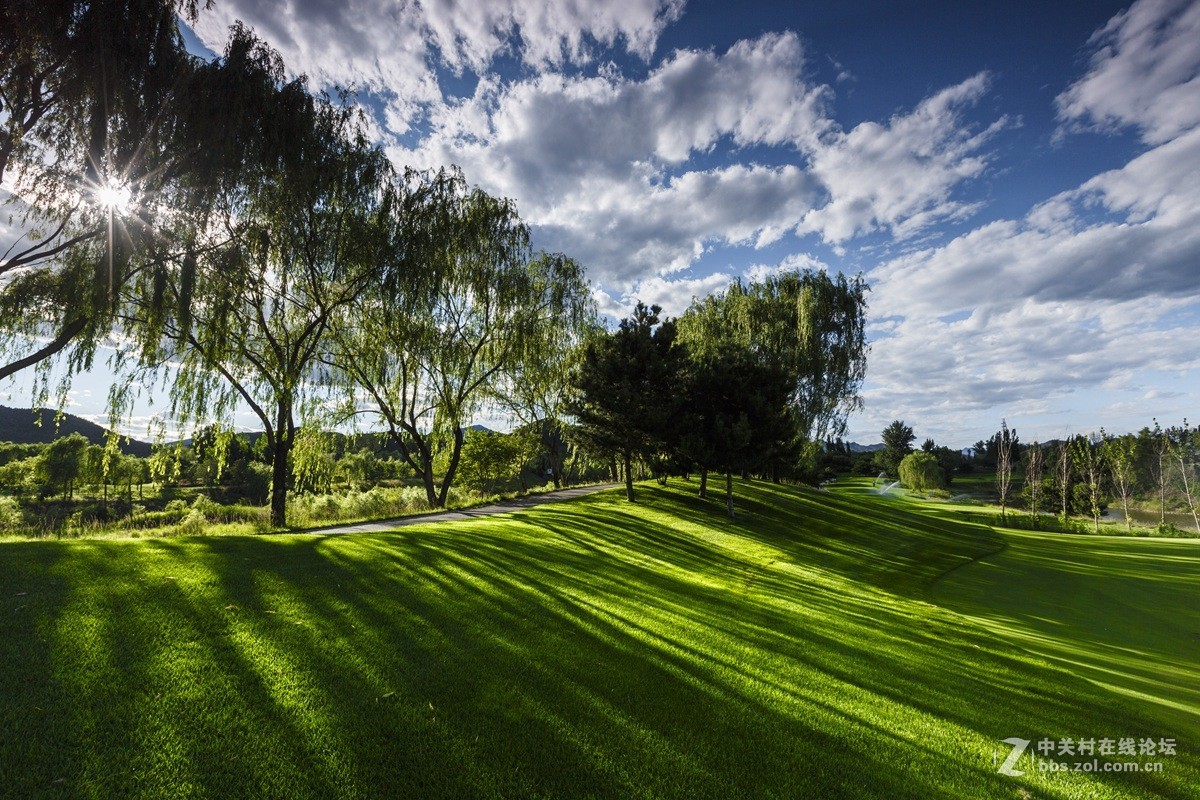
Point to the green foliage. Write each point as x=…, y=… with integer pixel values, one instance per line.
x=63, y=461
x=897, y=443
x=921, y=471
x=313, y=465
x=491, y=461
x=811, y=326
x=466, y=316
x=734, y=413
x=1089, y=460
x=627, y=385
x=11, y=517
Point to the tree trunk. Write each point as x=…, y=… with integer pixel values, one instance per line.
x=628, y=477
x=729, y=494
x=556, y=471
x=449, y=477
x=279, y=476
x=284, y=430
x=703, y=483
x=552, y=457
x=427, y=479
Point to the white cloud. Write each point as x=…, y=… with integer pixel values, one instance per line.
x=1144, y=72
x=1150, y=249
x=901, y=175
x=1080, y=314
x=672, y=295
x=543, y=135
x=1031, y=358
x=790, y=263
x=392, y=48
x=606, y=168
x=626, y=230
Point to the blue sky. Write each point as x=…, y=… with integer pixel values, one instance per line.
x=1019, y=182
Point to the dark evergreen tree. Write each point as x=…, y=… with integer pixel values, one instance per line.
x=626, y=386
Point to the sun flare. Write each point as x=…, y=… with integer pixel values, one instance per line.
x=115, y=197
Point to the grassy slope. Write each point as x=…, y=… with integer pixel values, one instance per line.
x=1123, y=613
x=583, y=649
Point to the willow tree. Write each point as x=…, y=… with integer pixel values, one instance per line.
x=808, y=324
x=424, y=358
x=88, y=95
x=534, y=390
x=306, y=230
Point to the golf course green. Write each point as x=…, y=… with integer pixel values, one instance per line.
x=824, y=644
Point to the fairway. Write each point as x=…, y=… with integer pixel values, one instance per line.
x=1122, y=612
x=585, y=649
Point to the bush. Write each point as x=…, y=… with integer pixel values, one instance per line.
x=1172, y=530
x=194, y=524
x=920, y=471
x=11, y=517
x=208, y=508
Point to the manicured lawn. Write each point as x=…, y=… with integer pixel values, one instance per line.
x=585, y=649
x=1121, y=612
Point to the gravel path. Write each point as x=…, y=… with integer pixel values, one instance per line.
x=465, y=513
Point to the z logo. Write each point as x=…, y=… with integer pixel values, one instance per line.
x=1018, y=747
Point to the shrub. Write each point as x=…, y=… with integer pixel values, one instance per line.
x=1170, y=529
x=194, y=524
x=209, y=509
x=920, y=471
x=10, y=514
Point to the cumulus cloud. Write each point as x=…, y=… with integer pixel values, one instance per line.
x=1027, y=359
x=606, y=167
x=626, y=230
x=672, y=295
x=544, y=134
x=1078, y=312
x=392, y=49
x=1148, y=246
x=1144, y=72
x=901, y=175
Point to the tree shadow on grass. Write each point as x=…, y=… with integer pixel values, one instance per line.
x=563, y=652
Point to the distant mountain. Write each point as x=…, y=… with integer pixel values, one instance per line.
x=20, y=425
x=855, y=447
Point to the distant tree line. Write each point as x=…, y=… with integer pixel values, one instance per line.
x=1156, y=469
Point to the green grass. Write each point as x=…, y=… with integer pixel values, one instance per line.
x=583, y=649
x=1120, y=612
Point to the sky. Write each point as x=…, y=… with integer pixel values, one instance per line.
x=1018, y=182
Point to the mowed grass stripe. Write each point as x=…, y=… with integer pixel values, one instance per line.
x=586, y=649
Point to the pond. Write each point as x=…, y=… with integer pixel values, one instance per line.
x=1141, y=516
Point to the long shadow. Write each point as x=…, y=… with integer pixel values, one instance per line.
x=562, y=652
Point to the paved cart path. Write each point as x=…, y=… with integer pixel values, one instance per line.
x=464, y=513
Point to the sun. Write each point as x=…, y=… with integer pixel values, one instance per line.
x=115, y=197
